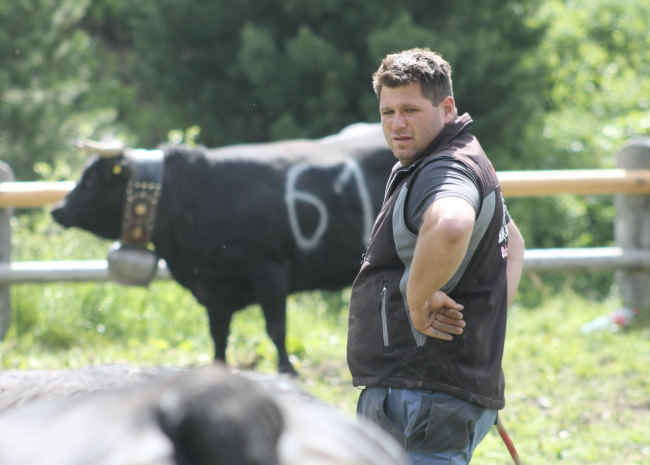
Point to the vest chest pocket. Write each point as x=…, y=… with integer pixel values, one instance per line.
x=384, y=322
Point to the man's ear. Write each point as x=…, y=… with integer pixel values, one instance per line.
x=448, y=107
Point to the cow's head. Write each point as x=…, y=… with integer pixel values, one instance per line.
x=97, y=202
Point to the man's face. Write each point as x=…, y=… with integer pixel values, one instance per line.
x=410, y=120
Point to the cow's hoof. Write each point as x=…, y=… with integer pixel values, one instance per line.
x=288, y=370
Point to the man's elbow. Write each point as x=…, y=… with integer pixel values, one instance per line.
x=454, y=229
x=449, y=220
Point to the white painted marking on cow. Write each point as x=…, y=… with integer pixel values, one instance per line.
x=290, y=197
x=350, y=169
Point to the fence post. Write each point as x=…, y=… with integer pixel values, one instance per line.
x=6, y=175
x=632, y=227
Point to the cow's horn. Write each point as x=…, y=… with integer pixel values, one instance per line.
x=103, y=149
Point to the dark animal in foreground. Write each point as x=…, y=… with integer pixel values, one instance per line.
x=178, y=417
x=251, y=223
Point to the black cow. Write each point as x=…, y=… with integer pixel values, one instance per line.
x=168, y=416
x=251, y=223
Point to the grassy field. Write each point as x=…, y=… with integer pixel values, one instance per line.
x=571, y=397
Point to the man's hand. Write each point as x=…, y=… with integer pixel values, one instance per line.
x=439, y=317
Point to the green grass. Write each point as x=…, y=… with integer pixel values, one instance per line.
x=571, y=397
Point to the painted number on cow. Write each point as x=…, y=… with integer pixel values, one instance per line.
x=351, y=169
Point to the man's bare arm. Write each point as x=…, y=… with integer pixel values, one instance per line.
x=515, y=260
x=442, y=244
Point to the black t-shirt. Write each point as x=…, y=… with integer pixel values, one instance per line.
x=445, y=177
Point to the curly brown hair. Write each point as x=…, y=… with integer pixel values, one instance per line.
x=419, y=65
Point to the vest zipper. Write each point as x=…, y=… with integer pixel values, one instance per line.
x=384, y=323
x=391, y=181
x=365, y=251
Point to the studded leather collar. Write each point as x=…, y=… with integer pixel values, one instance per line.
x=142, y=194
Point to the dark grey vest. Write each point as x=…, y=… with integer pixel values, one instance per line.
x=384, y=349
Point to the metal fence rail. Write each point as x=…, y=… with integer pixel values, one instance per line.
x=63, y=271
x=589, y=259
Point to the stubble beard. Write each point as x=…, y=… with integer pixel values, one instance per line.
x=409, y=155
x=407, y=158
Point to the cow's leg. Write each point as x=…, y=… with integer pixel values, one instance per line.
x=271, y=288
x=276, y=327
x=221, y=299
x=219, y=329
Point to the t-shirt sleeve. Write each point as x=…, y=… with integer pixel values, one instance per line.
x=446, y=177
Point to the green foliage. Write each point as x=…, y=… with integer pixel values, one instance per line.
x=57, y=84
x=36, y=237
x=286, y=69
x=45, y=69
x=598, y=59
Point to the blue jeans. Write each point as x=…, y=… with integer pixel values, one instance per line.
x=434, y=428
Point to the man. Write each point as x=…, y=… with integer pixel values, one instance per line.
x=428, y=308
